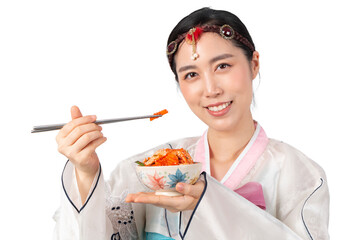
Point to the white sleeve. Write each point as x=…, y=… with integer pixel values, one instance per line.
x=223, y=214
x=76, y=221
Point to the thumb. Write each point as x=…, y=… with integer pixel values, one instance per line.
x=75, y=112
x=191, y=190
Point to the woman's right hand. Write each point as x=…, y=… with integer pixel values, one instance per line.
x=78, y=140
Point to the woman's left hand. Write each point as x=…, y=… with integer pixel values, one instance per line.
x=188, y=201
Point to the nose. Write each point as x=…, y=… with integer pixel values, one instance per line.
x=212, y=87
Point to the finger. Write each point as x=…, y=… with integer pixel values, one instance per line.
x=75, y=112
x=146, y=197
x=81, y=130
x=131, y=197
x=85, y=139
x=91, y=147
x=194, y=191
x=142, y=197
x=75, y=123
x=173, y=204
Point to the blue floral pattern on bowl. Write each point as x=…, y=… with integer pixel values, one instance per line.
x=163, y=179
x=177, y=177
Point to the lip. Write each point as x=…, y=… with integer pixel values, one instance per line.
x=219, y=113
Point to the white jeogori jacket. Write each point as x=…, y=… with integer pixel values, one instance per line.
x=294, y=188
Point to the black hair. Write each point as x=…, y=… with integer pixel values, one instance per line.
x=208, y=16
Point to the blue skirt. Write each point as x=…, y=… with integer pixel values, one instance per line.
x=156, y=236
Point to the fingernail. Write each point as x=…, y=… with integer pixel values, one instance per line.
x=180, y=187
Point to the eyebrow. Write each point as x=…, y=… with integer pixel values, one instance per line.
x=213, y=60
x=187, y=67
x=221, y=57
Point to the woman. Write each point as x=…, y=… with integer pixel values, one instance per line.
x=252, y=187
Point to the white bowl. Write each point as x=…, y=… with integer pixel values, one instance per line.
x=163, y=179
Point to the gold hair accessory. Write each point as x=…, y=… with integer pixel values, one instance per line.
x=193, y=35
x=191, y=38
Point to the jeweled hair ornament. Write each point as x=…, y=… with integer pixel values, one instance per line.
x=191, y=38
x=193, y=35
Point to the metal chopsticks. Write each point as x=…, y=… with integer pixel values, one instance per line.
x=51, y=127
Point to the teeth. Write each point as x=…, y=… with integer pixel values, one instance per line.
x=219, y=108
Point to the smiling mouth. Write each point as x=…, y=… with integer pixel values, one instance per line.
x=219, y=107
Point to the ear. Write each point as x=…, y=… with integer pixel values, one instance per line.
x=255, y=64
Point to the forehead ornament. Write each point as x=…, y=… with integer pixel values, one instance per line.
x=193, y=35
x=191, y=38
x=227, y=32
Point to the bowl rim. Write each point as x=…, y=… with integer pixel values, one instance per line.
x=170, y=166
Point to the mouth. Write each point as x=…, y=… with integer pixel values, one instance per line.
x=218, y=107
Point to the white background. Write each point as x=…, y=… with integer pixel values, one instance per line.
x=108, y=57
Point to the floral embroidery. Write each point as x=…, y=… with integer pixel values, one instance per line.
x=156, y=181
x=121, y=215
x=177, y=177
x=115, y=236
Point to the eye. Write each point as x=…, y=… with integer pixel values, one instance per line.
x=223, y=66
x=190, y=75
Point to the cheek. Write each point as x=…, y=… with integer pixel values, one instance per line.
x=242, y=83
x=244, y=87
x=190, y=93
x=186, y=92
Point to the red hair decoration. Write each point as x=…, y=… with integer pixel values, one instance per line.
x=196, y=32
x=192, y=37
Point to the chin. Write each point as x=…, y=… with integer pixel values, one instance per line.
x=221, y=125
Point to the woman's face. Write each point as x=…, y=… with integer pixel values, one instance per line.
x=218, y=85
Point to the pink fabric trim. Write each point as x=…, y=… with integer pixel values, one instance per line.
x=248, y=161
x=245, y=164
x=253, y=192
x=200, y=153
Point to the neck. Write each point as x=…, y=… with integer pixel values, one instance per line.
x=226, y=146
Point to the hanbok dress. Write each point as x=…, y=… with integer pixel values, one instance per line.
x=271, y=191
